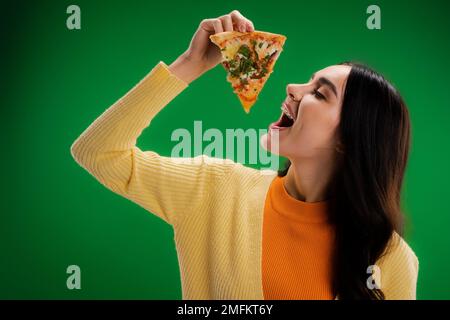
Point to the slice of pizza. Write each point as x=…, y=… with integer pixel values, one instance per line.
x=249, y=59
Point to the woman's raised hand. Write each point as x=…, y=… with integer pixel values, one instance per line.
x=202, y=55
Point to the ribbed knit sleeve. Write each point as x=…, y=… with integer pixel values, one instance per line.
x=107, y=149
x=399, y=271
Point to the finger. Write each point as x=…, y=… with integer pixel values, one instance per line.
x=227, y=22
x=217, y=23
x=207, y=25
x=211, y=25
x=238, y=20
x=242, y=23
x=250, y=26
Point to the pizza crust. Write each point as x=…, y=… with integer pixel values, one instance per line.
x=219, y=38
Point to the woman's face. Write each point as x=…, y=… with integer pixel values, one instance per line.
x=314, y=109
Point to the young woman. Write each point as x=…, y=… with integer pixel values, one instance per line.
x=327, y=226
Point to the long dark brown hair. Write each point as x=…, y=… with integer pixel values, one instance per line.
x=374, y=134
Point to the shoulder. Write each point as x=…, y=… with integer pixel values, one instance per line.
x=232, y=171
x=238, y=181
x=399, y=267
x=398, y=251
x=249, y=177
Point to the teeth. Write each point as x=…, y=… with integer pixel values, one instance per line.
x=286, y=112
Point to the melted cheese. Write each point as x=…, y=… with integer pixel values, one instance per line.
x=266, y=49
x=231, y=47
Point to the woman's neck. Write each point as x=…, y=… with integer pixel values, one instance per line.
x=308, y=180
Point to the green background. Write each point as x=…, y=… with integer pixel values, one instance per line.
x=55, y=82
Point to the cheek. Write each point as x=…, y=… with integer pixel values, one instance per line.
x=318, y=121
x=313, y=114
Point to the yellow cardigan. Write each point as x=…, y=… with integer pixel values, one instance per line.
x=215, y=206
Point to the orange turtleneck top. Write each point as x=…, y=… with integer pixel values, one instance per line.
x=297, y=247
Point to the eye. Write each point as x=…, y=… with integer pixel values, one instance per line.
x=318, y=95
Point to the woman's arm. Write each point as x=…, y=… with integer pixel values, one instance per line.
x=399, y=268
x=107, y=148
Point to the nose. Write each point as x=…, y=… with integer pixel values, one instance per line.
x=296, y=91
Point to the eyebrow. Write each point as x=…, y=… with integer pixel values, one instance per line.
x=326, y=82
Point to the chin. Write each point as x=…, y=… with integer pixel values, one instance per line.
x=271, y=142
x=265, y=142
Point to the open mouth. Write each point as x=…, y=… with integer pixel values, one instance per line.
x=286, y=120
